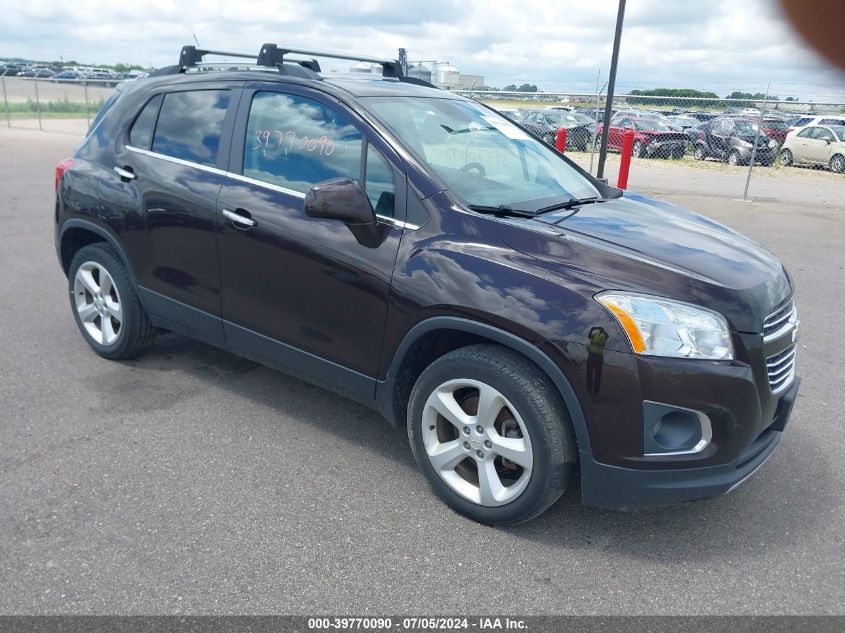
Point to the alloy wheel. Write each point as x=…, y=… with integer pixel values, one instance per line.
x=837, y=164
x=477, y=442
x=97, y=303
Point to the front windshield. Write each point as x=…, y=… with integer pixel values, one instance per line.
x=839, y=130
x=650, y=124
x=745, y=127
x=561, y=117
x=482, y=157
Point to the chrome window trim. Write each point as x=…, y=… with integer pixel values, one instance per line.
x=706, y=432
x=253, y=181
x=178, y=161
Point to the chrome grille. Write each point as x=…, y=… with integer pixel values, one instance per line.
x=780, y=319
x=781, y=369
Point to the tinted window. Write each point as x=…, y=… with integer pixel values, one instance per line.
x=832, y=122
x=141, y=135
x=803, y=121
x=103, y=109
x=295, y=142
x=190, y=125
x=379, y=185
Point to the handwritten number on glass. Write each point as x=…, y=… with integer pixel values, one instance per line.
x=276, y=140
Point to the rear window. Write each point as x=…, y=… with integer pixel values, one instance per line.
x=832, y=122
x=141, y=135
x=803, y=121
x=190, y=125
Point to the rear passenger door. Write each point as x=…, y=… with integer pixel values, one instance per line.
x=300, y=291
x=175, y=158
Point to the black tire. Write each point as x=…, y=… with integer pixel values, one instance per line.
x=785, y=157
x=541, y=409
x=136, y=332
x=637, y=149
x=699, y=153
x=734, y=158
x=837, y=163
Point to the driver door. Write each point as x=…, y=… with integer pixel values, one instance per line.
x=298, y=291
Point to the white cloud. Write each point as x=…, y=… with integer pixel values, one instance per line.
x=560, y=45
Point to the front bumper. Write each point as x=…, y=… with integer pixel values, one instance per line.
x=616, y=487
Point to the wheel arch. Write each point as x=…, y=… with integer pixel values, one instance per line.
x=77, y=233
x=436, y=336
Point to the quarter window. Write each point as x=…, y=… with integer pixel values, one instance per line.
x=190, y=124
x=379, y=183
x=141, y=134
x=807, y=132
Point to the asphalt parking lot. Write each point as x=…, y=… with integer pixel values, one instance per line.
x=192, y=481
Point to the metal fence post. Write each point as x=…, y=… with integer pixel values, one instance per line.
x=598, y=101
x=87, y=113
x=5, y=100
x=754, y=147
x=37, y=103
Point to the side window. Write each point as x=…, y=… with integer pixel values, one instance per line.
x=190, y=124
x=823, y=134
x=295, y=142
x=803, y=121
x=379, y=183
x=807, y=132
x=141, y=134
x=832, y=122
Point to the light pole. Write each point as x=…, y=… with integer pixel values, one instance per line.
x=611, y=84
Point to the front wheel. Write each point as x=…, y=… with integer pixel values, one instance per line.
x=699, y=153
x=785, y=157
x=733, y=158
x=491, y=434
x=637, y=150
x=837, y=164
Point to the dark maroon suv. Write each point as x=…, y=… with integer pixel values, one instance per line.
x=431, y=259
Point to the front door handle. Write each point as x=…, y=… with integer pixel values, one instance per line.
x=239, y=219
x=126, y=174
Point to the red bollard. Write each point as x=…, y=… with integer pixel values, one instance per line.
x=560, y=140
x=625, y=164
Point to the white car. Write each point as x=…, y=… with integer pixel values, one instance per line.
x=804, y=121
x=816, y=145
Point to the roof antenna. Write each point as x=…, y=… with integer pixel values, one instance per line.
x=196, y=40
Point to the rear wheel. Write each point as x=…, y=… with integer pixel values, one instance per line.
x=105, y=304
x=785, y=157
x=733, y=158
x=491, y=434
x=699, y=153
x=837, y=164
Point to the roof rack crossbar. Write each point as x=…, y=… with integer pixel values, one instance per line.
x=191, y=55
x=272, y=55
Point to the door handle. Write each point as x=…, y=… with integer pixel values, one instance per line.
x=126, y=174
x=239, y=219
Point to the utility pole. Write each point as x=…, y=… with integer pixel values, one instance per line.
x=611, y=85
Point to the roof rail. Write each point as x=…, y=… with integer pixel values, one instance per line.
x=273, y=56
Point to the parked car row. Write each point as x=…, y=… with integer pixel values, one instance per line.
x=91, y=76
x=731, y=137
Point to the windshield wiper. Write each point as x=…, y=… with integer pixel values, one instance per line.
x=572, y=202
x=502, y=210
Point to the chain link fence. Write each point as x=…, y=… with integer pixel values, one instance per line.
x=54, y=104
x=738, y=148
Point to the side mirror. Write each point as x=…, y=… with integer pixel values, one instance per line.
x=343, y=199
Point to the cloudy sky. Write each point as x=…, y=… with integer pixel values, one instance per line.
x=721, y=45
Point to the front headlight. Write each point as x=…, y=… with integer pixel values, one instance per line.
x=773, y=144
x=662, y=327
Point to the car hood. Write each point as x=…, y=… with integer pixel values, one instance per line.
x=639, y=244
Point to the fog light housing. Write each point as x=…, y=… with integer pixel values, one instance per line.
x=671, y=430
